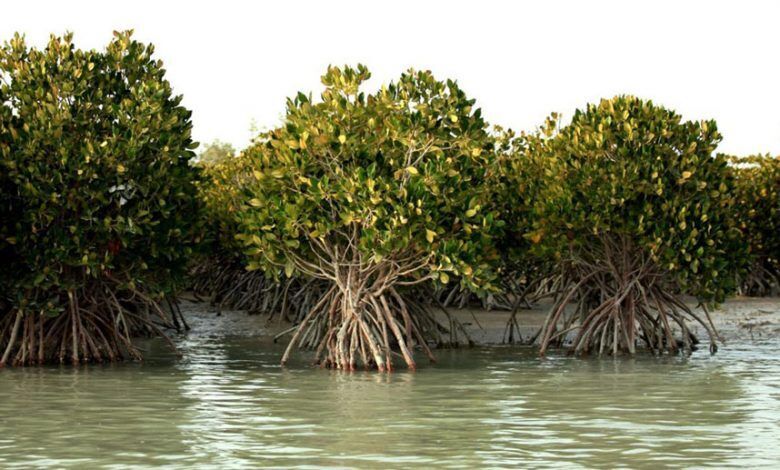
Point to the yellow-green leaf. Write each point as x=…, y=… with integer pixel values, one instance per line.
x=289, y=268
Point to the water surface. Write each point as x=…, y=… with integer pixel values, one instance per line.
x=227, y=403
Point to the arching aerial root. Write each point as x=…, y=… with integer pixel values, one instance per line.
x=616, y=300
x=97, y=324
x=347, y=329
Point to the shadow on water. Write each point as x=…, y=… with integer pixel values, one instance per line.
x=226, y=402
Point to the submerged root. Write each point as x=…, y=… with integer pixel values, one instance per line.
x=616, y=299
x=96, y=324
x=346, y=329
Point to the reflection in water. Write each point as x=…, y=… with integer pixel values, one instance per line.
x=227, y=403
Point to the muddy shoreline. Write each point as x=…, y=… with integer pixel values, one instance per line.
x=738, y=319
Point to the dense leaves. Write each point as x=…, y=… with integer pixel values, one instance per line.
x=629, y=167
x=94, y=153
x=220, y=191
x=758, y=212
x=403, y=167
x=634, y=210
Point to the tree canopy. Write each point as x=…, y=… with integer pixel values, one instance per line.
x=94, y=153
x=398, y=174
x=628, y=167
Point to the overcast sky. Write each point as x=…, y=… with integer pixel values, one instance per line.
x=235, y=62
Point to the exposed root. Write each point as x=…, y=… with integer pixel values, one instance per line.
x=762, y=279
x=517, y=290
x=96, y=324
x=230, y=286
x=455, y=296
x=544, y=285
x=350, y=328
x=614, y=298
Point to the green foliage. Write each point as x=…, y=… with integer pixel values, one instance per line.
x=629, y=168
x=399, y=174
x=220, y=193
x=215, y=152
x=9, y=209
x=758, y=208
x=519, y=183
x=94, y=158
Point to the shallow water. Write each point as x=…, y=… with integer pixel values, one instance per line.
x=227, y=403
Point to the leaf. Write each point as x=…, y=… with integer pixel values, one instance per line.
x=254, y=202
x=430, y=235
x=342, y=139
x=289, y=268
x=412, y=170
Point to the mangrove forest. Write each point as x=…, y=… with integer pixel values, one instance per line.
x=363, y=218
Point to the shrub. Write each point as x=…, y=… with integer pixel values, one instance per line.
x=758, y=212
x=637, y=210
x=94, y=153
x=371, y=193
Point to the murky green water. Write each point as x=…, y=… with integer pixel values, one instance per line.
x=227, y=403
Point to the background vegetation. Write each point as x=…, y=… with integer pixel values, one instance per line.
x=757, y=210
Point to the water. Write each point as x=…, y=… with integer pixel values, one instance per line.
x=227, y=403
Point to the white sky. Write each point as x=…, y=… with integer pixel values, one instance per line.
x=235, y=62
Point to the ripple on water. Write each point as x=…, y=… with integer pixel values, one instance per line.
x=226, y=402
